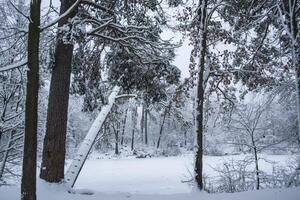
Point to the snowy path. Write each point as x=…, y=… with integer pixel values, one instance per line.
x=147, y=179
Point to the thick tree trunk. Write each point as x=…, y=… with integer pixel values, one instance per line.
x=53, y=162
x=200, y=94
x=28, y=185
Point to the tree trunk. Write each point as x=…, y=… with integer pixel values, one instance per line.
x=146, y=126
x=256, y=169
x=162, y=127
x=296, y=63
x=123, y=128
x=117, y=139
x=134, y=123
x=200, y=94
x=28, y=185
x=142, y=123
x=52, y=169
x=185, y=139
x=132, y=140
x=0, y=135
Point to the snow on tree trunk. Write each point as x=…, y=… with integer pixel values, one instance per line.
x=85, y=147
x=200, y=93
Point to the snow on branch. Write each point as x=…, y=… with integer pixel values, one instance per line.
x=65, y=14
x=13, y=66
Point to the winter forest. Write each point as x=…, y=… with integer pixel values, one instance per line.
x=149, y=99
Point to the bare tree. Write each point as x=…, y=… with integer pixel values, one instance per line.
x=250, y=128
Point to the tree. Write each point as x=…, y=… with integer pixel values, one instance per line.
x=28, y=186
x=248, y=125
x=140, y=37
x=202, y=28
x=273, y=49
x=52, y=169
x=149, y=80
x=206, y=65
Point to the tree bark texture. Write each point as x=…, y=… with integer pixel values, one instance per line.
x=200, y=94
x=53, y=162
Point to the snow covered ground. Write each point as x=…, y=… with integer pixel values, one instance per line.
x=149, y=179
x=165, y=175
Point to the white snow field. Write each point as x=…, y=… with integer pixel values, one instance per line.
x=148, y=179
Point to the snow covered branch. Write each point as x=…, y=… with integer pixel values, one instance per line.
x=13, y=66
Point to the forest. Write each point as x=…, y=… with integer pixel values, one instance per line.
x=149, y=99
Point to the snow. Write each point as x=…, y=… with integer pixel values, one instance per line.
x=85, y=147
x=149, y=178
x=164, y=175
x=143, y=176
x=46, y=192
x=162, y=178
x=13, y=66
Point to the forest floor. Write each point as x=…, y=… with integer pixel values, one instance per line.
x=163, y=178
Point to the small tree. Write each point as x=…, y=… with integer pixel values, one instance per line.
x=250, y=128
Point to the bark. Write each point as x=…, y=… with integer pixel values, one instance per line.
x=146, y=126
x=142, y=123
x=255, y=159
x=28, y=184
x=200, y=94
x=256, y=169
x=162, y=127
x=117, y=139
x=134, y=122
x=123, y=128
x=0, y=135
x=185, y=139
x=53, y=162
x=132, y=140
